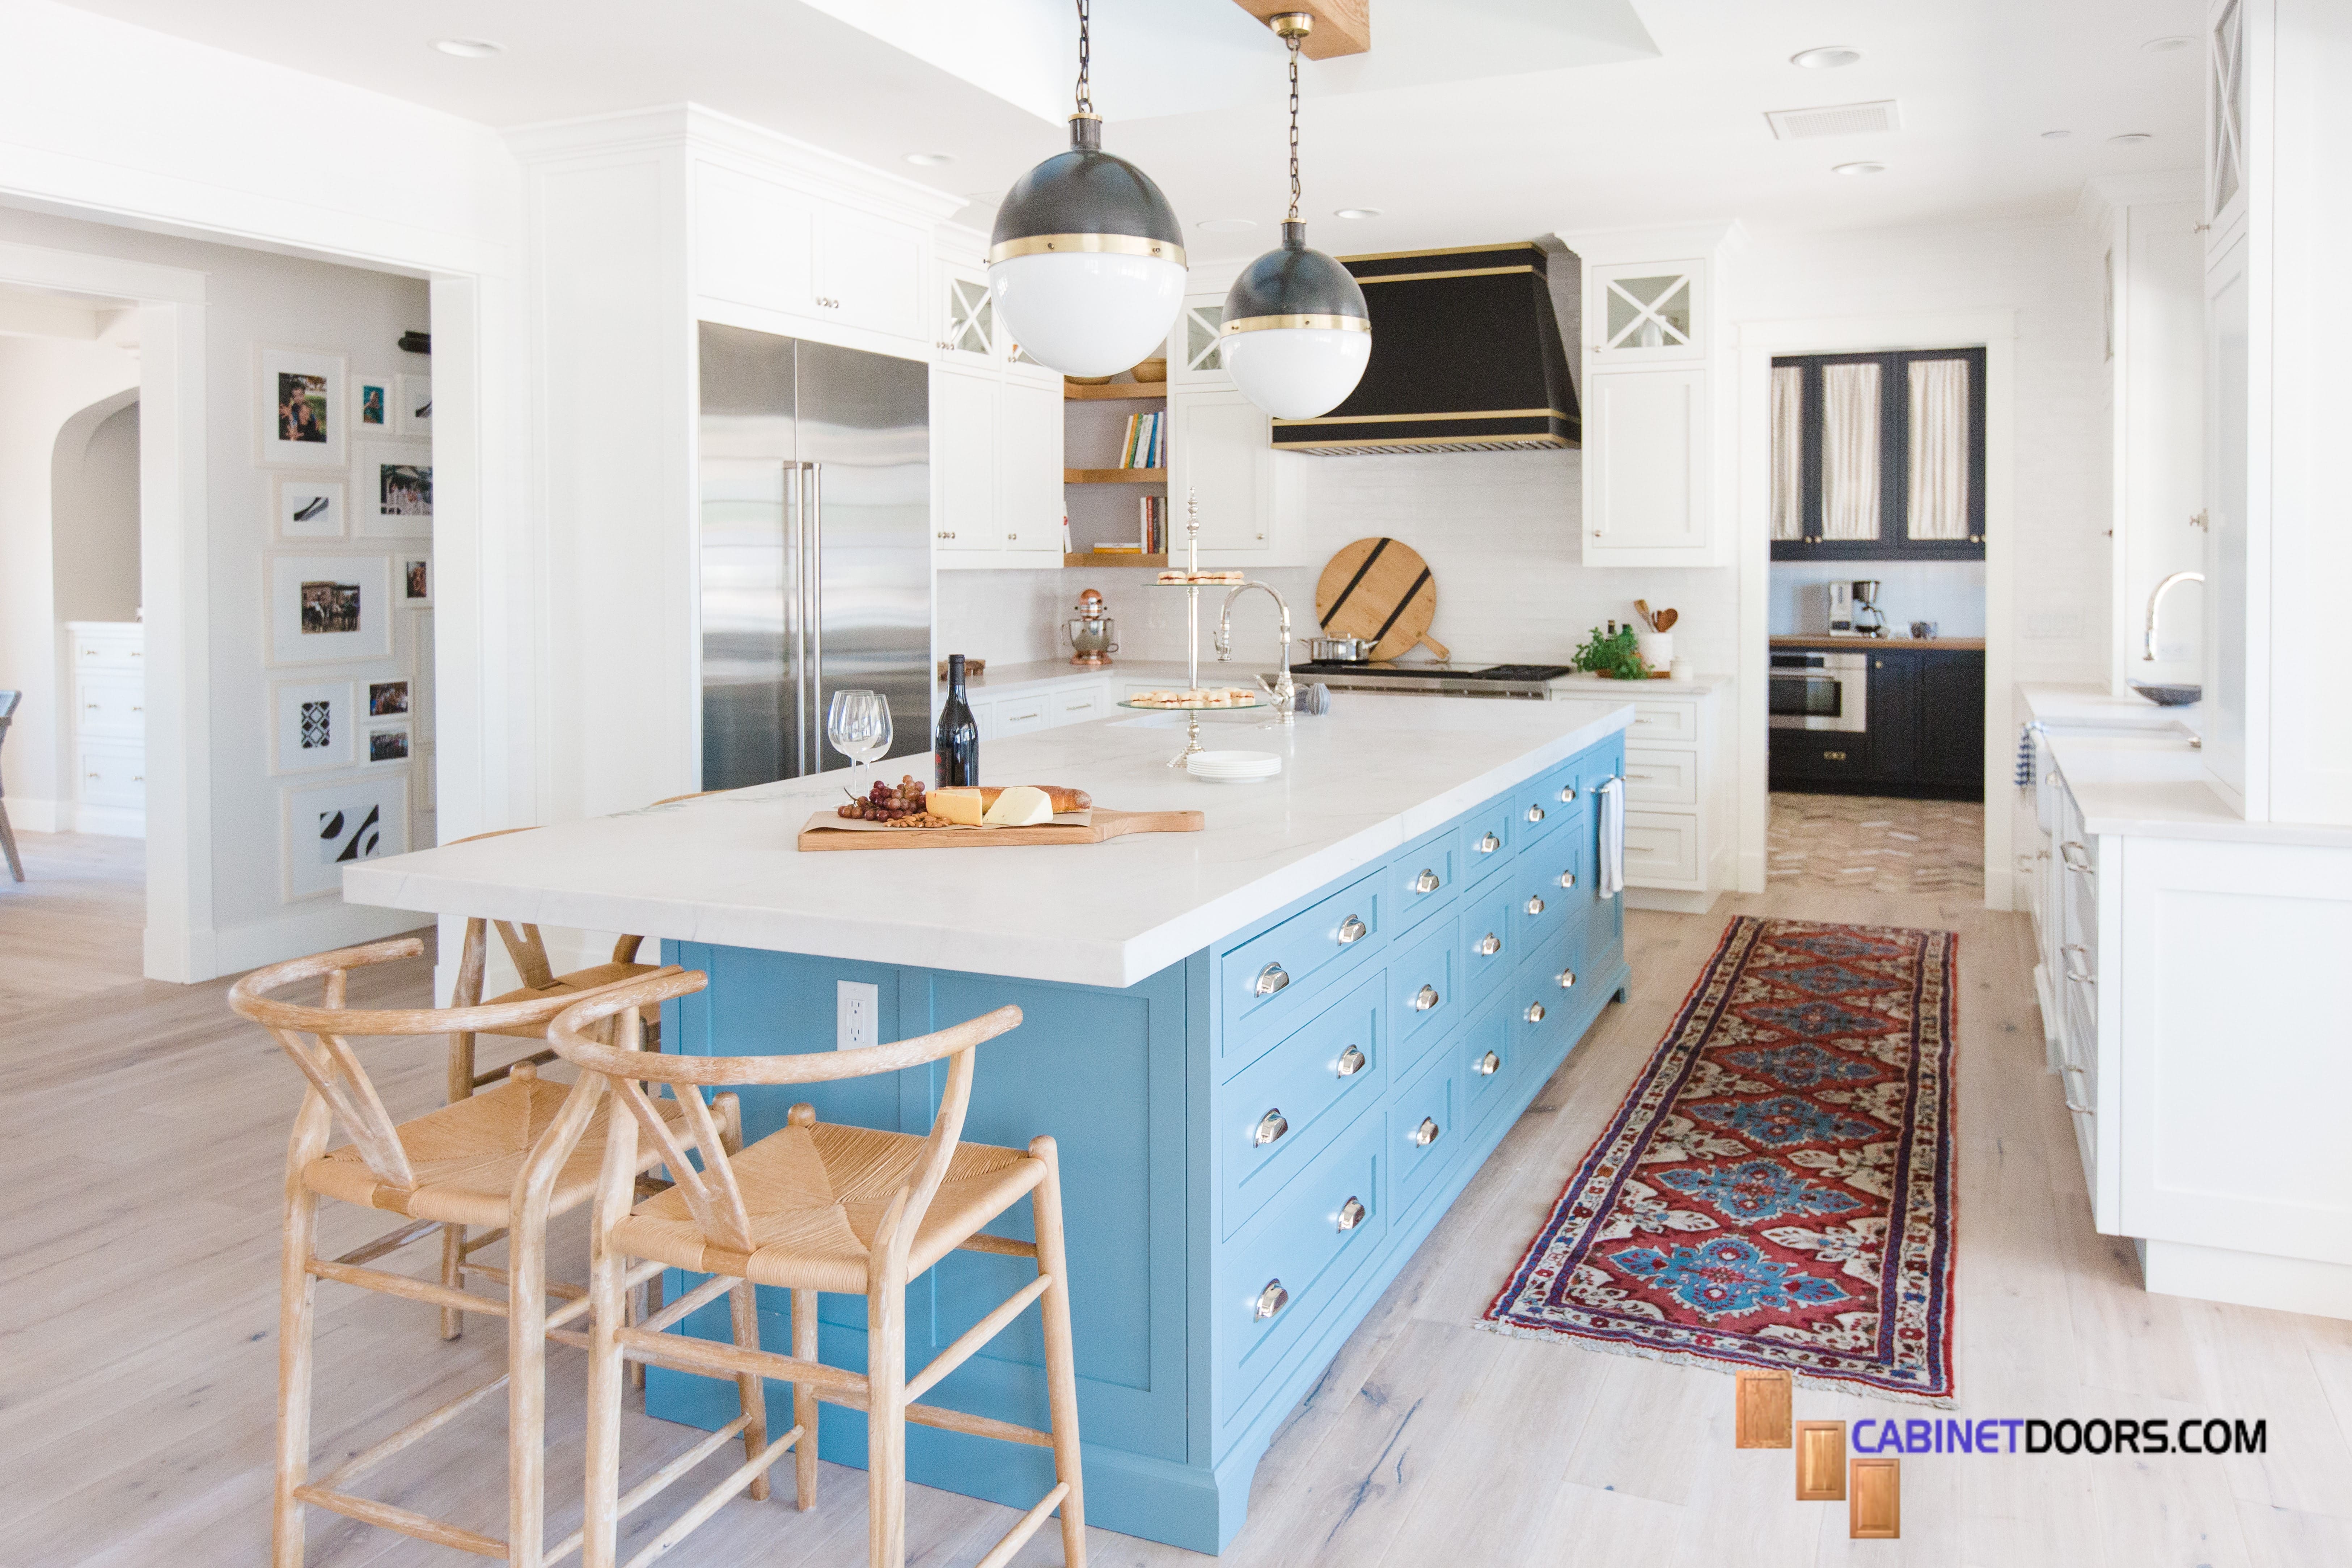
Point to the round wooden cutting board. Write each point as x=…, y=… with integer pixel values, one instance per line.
x=1378, y=588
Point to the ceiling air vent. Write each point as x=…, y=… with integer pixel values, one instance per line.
x=1837, y=119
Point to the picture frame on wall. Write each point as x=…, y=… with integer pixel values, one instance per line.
x=389, y=698
x=324, y=827
x=329, y=609
x=384, y=746
x=300, y=408
x=416, y=411
x=396, y=491
x=305, y=508
x=416, y=580
x=313, y=725
x=374, y=401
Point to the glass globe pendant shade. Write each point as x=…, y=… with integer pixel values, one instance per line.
x=1296, y=334
x=1086, y=262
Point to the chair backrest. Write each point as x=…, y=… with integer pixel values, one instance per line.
x=317, y=1039
x=712, y=1194
x=8, y=701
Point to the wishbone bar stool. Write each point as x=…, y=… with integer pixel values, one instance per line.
x=814, y=1207
x=469, y=1163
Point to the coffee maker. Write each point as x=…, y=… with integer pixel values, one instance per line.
x=1869, y=620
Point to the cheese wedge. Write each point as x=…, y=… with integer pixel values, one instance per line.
x=1019, y=807
x=958, y=803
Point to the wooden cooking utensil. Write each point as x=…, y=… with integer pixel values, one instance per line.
x=1381, y=590
x=1641, y=608
x=1664, y=621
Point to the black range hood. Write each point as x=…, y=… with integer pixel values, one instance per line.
x=1467, y=357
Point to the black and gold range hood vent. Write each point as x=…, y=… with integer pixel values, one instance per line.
x=1467, y=357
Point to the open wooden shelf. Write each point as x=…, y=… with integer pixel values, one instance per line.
x=1114, y=558
x=1114, y=476
x=1116, y=389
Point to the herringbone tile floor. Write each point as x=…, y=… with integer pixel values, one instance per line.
x=1876, y=844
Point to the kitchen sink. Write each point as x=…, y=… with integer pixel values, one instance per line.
x=2165, y=694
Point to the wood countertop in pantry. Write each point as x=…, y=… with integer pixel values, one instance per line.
x=1955, y=645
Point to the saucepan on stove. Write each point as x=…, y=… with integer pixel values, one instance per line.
x=1340, y=650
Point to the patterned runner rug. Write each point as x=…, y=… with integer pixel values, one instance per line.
x=1777, y=1188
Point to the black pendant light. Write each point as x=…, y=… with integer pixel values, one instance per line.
x=1086, y=262
x=1296, y=334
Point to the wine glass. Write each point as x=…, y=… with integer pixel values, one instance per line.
x=858, y=725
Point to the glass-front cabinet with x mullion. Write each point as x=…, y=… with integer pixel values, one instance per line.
x=1878, y=456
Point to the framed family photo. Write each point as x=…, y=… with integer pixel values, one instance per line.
x=305, y=508
x=396, y=498
x=384, y=746
x=325, y=609
x=302, y=408
x=415, y=407
x=374, y=400
x=388, y=698
x=313, y=726
x=415, y=581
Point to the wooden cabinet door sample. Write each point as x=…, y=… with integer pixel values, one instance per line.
x=1762, y=1408
x=1820, y=1461
x=1875, y=1499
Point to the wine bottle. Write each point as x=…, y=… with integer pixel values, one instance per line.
x=955, y=749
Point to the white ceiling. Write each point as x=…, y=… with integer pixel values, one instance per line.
x=1472, y=119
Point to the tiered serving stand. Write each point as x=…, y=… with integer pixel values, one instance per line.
x=1192, y=584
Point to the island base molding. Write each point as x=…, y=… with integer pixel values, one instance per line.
x=2306, y=1285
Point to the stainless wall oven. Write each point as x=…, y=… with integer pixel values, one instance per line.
x=1819, y=691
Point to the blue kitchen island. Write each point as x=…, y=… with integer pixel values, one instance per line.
x=1272, y=1053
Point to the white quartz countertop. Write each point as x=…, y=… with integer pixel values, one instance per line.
x=2132, y=770
x=1356, y=783
x=1000, y=680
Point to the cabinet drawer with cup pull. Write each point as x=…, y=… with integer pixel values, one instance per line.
x=1426, y=1125
x=1489, y=1059
x=1553, y=801
x=1489, y=836
x=1423, y=877
x=1281, y=968
x=1661, y=777
x=1427, y=985
x=1491, y=941
x=1277, y=1113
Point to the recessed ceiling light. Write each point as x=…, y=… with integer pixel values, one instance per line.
x=2055, y=135
x=1356, y=212
x=1227, y=226
x=2133, y=136
x=469, y=48
x=1826, y=58
x=1862, y=168
x=927, y=159
x=2166, y=46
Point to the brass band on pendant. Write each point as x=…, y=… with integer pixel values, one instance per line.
x=1312, y=323
x=1079, y=244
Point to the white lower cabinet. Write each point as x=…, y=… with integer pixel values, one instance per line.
x=1661, y=849
x=1038, y=705
x=109, y=726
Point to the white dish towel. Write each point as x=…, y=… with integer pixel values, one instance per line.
x=1612, y=838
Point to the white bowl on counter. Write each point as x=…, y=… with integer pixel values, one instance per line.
x=1233, y=767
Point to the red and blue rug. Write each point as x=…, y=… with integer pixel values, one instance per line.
x=1777, y=1188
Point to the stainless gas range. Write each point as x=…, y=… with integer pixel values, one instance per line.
x=1526, y=681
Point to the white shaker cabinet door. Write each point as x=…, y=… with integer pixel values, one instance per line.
x=1029, y=467
x=870, y=273
x=1646, y=500
x=965, y=406
x=1221, y=454
x=754, y=242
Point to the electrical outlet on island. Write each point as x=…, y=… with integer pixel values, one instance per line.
x=856, y=1005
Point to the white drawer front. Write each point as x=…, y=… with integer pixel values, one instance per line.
x=1665, y=721
x=1079, y=706
x=111, y=706
x=112, y=776
x=1661, y=847
x=93, y=652
x=1018, y=715
x=1661, y=778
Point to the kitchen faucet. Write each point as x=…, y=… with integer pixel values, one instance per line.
x=1283, y=690
x=2147, y=642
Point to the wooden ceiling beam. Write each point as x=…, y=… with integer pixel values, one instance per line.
x=1341, y=27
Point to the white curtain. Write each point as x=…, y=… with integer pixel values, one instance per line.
x=1939, y=449
x=1850, y=451
x=1788, y=452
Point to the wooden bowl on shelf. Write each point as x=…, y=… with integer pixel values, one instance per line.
x=1088, y=380
x=1149, y=370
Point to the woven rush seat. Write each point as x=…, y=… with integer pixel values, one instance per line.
x=468, y=1154
x=816, y=1195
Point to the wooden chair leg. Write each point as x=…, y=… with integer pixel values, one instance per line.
x=742, y=1305
x=526, y=1390
x=885, y=1419
x=9, y=844
x=453, y=1275
x=297, y=1312
x=1061, y=1368
x=804, y=1400
x=599, y=1518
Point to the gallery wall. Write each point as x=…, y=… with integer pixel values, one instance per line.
x=275, y=890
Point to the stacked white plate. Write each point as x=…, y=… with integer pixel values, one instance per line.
x=1234, y=767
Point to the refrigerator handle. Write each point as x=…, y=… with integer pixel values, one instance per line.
x=796, y=615
x=812, y=609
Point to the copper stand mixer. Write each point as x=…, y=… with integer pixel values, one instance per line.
x=1091, y=633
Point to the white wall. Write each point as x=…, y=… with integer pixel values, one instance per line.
x=44, y=382
x=94, y=514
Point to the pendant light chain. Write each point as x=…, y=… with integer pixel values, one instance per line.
x=1085, y=62
x=1293, y=42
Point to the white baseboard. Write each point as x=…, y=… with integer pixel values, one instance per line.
x=2247, y=1278
x=30, y=814
x=114, y=821
x=1674, y=901
x=314, y=929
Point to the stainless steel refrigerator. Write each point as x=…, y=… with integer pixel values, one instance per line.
x=815, y=549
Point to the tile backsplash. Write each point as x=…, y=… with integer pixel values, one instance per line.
x=1949, y=593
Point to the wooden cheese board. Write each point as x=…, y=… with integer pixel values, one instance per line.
x=1382, y=590
x=1101, y=824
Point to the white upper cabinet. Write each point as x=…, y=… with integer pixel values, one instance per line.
x=1645, y=312
x=1029, y=468
x=1221, y=452
x=1195, y=356
x=2225, y=119
x=967, y=315
x=965, y=406
x=1646, y=441
x=765, y=245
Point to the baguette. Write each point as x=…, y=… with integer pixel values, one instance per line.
x=1064, y=798
x=947, y=799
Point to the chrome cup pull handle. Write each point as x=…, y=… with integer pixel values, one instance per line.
x=1535, y=1012
x=1272, y=1299
x=2077, y=859
x=1427, y=882
x=1351, y=1062
x=1568, y=979
x=1567, y=792
x=1535, y=814
x=1352, y=929
x=1426, y=1133
x=1535, y=905
x=1271, y=979
x=1489, y=945
x=1352, y=1214
x=1489, y=844
x=1270, y=1128
x=1568, y=879
x=1425, y=999
x=1490, y=1065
